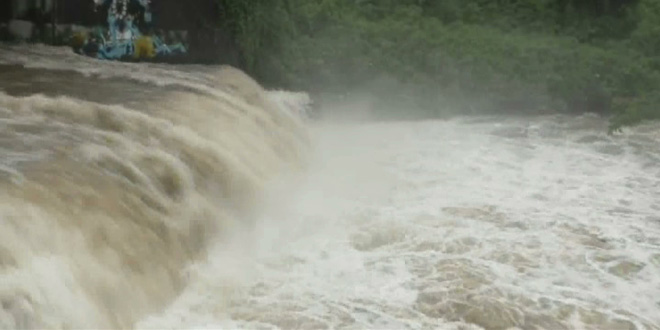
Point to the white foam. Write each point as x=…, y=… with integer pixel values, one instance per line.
x=397, y=222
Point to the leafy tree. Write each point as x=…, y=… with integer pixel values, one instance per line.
x=459, y=55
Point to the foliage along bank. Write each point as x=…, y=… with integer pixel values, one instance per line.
x=443, y=57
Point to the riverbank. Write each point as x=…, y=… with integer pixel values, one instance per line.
x=462, y=57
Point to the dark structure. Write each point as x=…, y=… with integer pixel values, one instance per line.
x=207, y=42
x=5, y=10
x=78, y=12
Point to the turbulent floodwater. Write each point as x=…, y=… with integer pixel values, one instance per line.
x=193, y=211
x=114, y=178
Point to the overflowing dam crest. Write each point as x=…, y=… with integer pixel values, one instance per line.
x=110, y=187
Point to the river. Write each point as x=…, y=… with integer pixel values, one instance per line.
x=183, y=197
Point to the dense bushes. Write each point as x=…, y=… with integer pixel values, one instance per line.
x=450, y=56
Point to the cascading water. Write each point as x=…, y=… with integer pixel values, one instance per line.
x=157, y=197
x=110, y=187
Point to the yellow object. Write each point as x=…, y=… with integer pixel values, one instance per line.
x=78, y=40
x=144, y=48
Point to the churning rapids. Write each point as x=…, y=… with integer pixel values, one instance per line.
x=153, y=196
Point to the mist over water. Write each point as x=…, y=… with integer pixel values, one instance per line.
x=473, y=223
x=154, y=197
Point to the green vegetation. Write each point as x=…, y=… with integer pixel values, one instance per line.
x=467, y=56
